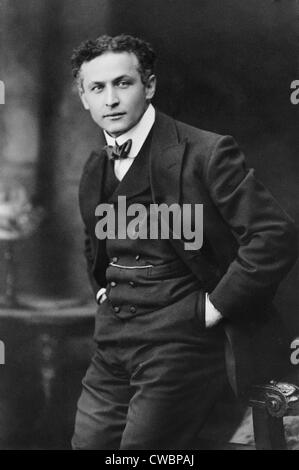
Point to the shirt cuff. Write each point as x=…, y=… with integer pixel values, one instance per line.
x=100, y=293
x=210, y=309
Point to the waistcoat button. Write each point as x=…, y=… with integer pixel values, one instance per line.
x=132, y=283
x=114, y=259
x=132, y=309
x=112, y=283
x=137, y=257
x=116, y=309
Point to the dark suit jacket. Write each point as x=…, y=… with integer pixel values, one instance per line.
x=249, y=241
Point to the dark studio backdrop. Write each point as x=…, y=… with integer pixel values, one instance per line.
x=224, y=65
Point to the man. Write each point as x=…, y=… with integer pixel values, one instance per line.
x=160, y=365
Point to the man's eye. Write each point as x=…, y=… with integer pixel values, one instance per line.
x=123, y=84
x=97, y=88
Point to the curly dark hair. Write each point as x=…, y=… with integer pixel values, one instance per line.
x=90, y=49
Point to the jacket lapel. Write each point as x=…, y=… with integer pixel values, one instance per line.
x=166, y=163
x=166, y=158
x=90, y=195
x=90, y=191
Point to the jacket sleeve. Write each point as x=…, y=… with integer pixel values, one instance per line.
x=87, y=189
x=89, y=261
x=265, y=233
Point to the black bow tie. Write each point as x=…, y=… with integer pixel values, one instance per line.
x=119, y=151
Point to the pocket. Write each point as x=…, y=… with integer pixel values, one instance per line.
x=167, y=271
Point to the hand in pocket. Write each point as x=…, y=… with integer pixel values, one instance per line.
x=212, y=315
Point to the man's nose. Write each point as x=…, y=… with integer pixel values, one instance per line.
x=111, y=97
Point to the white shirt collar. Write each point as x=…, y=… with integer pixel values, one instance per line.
x=138, y=133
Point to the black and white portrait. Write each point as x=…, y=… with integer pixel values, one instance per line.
x=149, y=225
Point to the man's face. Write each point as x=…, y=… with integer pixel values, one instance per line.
x=113, y=92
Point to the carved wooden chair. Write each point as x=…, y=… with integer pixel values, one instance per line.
x=271, y=400
x=271, y=403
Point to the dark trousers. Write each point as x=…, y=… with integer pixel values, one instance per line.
x=151, y=383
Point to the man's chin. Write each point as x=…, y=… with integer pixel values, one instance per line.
x=115, y=131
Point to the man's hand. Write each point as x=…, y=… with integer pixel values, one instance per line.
x=213, y=316
x=101, y=296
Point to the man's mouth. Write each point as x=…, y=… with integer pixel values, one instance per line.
x=114, y=115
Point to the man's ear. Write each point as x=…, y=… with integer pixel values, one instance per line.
x=150, y=87
x=83, y=97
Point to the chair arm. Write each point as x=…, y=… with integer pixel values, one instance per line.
x=270, y=404
x=278, y=398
